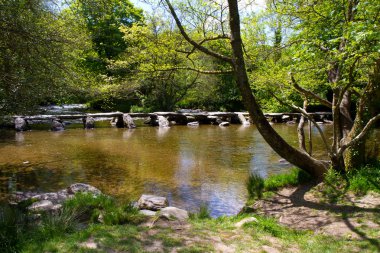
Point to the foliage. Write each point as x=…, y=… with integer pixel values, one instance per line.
x=12, y=224
x=103, y=20
x=36, y=56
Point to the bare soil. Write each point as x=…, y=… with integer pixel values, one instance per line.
x=303, y=209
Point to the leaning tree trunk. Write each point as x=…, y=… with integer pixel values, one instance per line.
x=301, y=159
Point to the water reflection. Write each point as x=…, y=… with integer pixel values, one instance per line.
x=191, y=166
x=19, y=137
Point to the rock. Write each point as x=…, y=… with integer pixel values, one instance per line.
x=128, y=121
x=174, y=213
x=41, y=206
x=269, y=249
x=57, y=125
x=193, y=124
x=86, y=188
x=89, y=123
x=21, y=124
x=224, y=124
x=147, y=212
x=56, y=207
x=245, y=221
x=152, y=202
x=101, y=218
x=162, y=121
x=90, y=244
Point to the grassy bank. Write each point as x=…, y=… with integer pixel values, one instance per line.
x=100, y=224
x=203, y=235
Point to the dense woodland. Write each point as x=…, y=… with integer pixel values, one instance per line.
x=295, y=55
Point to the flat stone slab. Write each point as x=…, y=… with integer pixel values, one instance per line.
x=174, y=213
x=152, y=202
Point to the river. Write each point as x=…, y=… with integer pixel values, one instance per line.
x=206, y=165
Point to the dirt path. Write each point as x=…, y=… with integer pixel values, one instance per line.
x=299, y=208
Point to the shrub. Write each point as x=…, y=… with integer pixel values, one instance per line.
x=204, y=213
x=365, y=179
x=255, y=186
x=334, y=186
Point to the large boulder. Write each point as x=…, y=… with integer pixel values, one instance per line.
x=152, y=202
x=89, y=123
x=85, y=188
x=57, y=125
x=174, y=213
x=21, y=124
x=128, y=121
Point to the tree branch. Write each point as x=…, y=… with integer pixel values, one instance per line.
x=308, y=93
x=201, y=71
x=304, y=113
x=191, y=41
x=360, y=136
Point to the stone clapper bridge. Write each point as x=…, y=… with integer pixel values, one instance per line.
x=162, y=119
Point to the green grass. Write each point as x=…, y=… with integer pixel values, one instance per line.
x=104, y=209
x=257, y=186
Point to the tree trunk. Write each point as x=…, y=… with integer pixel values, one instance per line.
x=300, y=130
x=355, y=156
x=300, y=159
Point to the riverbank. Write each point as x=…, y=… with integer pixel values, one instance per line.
x=288, y=219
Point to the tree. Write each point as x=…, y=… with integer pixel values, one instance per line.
x=35, y=55
x=103, y=20
x=338, y=46
x=300, y=158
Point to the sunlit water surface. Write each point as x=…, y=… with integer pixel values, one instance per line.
x=207, y=165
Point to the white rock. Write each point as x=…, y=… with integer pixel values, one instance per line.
x=152, y=202
x=245, y=221
x=147, y=212
x=43, y=205
x=175, y=213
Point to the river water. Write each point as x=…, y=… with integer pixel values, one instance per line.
x=206, y=165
